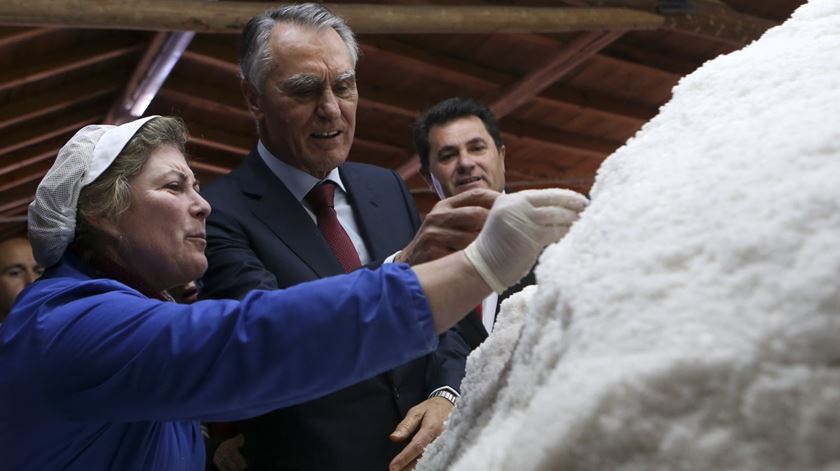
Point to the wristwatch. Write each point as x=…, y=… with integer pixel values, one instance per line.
x=446, y=395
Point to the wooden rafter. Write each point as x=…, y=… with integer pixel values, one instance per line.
x=707, y=18
x=20, y=181
x=567, y=58
x=211, y=61
x=13, y=206
x=121, y=105
x=20, y=163
x=230, y=17
x=205, y=105
x=43, y=133
x=55, y=101
x=24, y=35
x=43, y=68
x=217, y=145
x=464, y=73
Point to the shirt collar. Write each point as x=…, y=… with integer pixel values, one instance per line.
x=297, y=181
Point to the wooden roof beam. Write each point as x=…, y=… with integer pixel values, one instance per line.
x=14, y=206
x=558, y=138
x=42, y=133
x=42, y=68
x=566, y=59
x=157, y=62
x=230, y=17
x=35, y=176
x=44, y=153
x=214, y=144
x=210, y=168
x=120, y=107
x=212, y=61
x=708, y=18
x=17, y=37
x=57, y=100
x=205, y=105
x=488, y=80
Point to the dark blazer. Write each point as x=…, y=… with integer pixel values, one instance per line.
x=260, y=237
x=471, y=327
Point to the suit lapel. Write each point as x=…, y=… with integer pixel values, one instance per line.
x=273, y=204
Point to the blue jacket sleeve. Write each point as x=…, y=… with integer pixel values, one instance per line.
x=108, y=353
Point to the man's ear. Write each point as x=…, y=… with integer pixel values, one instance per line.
x=502, y=154
x=252, y=98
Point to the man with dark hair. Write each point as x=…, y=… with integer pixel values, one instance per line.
x=18, y=269
x=460, y=149
x=295, y=211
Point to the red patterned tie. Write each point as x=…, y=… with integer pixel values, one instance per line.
x=321, y=199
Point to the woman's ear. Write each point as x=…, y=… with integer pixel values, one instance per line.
x=104, y=225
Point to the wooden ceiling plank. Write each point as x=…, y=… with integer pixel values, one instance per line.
x=378, y=146
x=463, y=72
x=23, y=180
x=18, y=37
x=56, y=100
x=436, y=64
x=559, y=138
x=708, y=18
x=204, y=166
x=205, y=105
x=45, y=133
x=206, y=142
x=230, y=17
x=18, y=164
x=215, y=62
x=598, y=102
x=42, y=69
x=567, y=58
x=11, y=206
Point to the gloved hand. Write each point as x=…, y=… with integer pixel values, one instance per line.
x=518, y=227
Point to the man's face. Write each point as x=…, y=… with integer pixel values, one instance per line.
x=18, y=268
x=307, y=110
x=462, y=155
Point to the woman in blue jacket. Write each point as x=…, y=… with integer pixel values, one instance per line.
x=100, y=370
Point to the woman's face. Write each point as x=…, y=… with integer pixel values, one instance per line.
x=162, y=235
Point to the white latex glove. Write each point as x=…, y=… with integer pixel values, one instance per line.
x=518, y=227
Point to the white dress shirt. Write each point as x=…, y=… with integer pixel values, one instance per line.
x=300, y=183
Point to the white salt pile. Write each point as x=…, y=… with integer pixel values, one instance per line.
x=691, y=318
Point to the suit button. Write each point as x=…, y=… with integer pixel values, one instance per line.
x=396, y=393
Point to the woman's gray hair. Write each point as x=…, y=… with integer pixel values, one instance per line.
x=255, y=54
x=110, y=194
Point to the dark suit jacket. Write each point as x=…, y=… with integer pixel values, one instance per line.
x=471, y=327
x=260, y=237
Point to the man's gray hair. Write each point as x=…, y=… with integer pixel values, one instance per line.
x=255, y=55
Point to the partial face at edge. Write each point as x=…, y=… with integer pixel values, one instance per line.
x=307, y=110
x=462, y=156
x=18, y=269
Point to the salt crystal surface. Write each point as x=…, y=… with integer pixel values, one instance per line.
x=691, y=319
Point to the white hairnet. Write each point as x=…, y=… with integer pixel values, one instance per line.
x=52, y=216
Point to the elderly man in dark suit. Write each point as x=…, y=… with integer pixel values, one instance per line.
x=460, y=149
x=295, y=211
